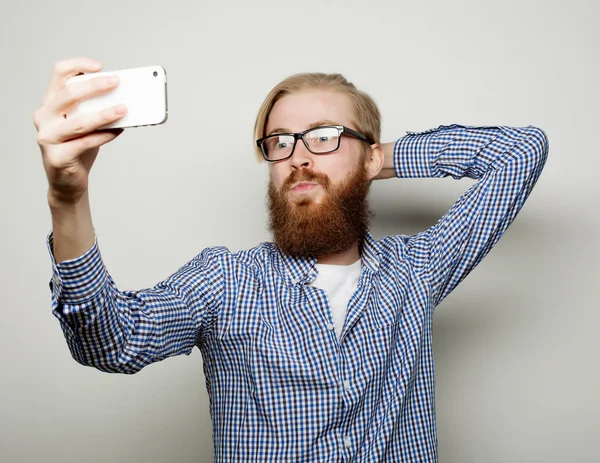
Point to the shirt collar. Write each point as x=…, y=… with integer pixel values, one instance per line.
x=370, y=253
x=302, y=269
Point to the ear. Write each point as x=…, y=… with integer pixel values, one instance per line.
x=374, y=160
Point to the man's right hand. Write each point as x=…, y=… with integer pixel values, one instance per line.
x=69, y=146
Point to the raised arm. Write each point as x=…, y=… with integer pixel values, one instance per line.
x=507, y=163
x=112, y=330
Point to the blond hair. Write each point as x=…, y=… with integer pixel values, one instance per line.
x=366, y=117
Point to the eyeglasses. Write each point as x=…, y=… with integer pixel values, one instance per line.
x=319, y=140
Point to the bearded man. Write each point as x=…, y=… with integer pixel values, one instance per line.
x=317, y=346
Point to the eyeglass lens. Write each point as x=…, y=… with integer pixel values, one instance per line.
x=319, y=140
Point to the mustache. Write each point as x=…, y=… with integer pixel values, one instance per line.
x=306, y=175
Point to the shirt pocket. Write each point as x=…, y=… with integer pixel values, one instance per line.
x=388, y=295
x=385, y=310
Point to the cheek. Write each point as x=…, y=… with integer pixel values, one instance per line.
x=277, y=174
x=337, y=166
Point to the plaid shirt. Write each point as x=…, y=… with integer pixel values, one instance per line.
x=282, y=386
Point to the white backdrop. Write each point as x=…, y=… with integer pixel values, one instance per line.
x=516, y=344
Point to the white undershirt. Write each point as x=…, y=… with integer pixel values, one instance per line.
x=339, y=282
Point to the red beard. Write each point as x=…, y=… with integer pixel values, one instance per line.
x=308, y=229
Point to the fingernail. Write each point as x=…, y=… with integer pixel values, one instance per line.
x=112, y=80
x=120, y=109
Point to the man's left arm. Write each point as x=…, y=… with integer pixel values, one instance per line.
x=506, y=161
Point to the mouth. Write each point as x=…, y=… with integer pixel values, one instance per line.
x=304, y=186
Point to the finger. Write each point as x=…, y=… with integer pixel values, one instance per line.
x=69, y=129
x=91, y=140
x=68, y=68
x=71, y=95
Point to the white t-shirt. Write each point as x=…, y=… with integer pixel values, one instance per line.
x=339, y=282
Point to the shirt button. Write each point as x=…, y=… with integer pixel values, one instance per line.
x=347, y=442
x=295, y=281
x=330, y=327
x=347, y=385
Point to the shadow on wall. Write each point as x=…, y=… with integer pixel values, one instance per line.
x=507, y=291
x=501, y=335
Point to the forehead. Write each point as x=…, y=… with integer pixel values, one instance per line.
x=297, y=111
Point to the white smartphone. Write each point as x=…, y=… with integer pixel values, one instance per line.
x=143, y=90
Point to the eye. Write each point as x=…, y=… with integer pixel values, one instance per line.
x=323, y=136
x=279, y=143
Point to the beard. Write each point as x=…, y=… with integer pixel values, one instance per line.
x=309, y=229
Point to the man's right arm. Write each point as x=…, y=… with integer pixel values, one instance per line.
x=72, y=227
x=112, y=330
x=123, y=331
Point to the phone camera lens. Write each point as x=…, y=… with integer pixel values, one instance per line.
x=155, y=73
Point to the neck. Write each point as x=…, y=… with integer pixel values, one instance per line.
x=347, y=257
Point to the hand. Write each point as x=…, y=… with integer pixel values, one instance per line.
x=69, y=146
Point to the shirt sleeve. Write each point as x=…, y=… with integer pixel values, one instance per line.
x=507, y=163
x=123, y=331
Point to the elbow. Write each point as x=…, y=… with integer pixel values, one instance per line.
x=111, y=366
x=108, y=367
x=107, y=358
x=539, y=146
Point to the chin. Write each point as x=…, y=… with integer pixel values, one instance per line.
x=306, y=199
x=301, y=202
x=306, y=203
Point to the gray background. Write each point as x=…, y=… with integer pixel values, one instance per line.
x=516, y=344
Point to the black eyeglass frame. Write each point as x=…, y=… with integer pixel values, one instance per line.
x=300, y=135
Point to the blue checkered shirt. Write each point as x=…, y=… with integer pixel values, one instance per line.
x=282, y=386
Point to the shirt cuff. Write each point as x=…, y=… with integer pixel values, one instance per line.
x=78, y=280
x=416, y=154
x=411, y=155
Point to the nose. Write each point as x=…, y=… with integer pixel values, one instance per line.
x=302, y=158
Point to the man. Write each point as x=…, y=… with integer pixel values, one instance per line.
x=318, y=346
